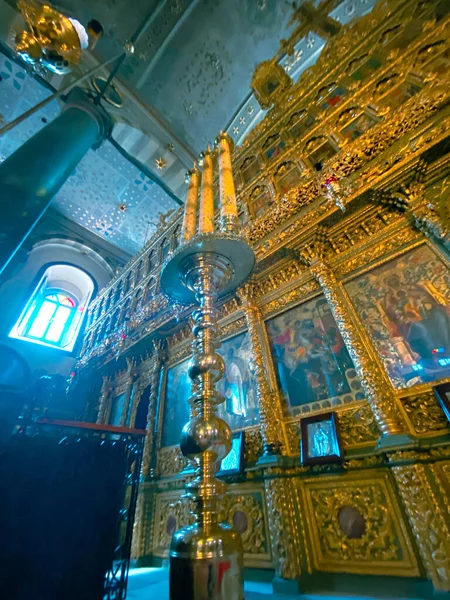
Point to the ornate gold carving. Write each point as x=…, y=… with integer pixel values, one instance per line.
x=149, y=445
x=172, y=512
x=377, y=388
x=373, y=143
x=268, y=82
x=379, y=545
x=273, y=281
x=170, y=461
x=424, y=413
x=269, y=401
x=377, y=251
x=237, y=506
x=294, y=296
x=357, y=427
x=142, y=524
x=433, y=218
x=283, y=527
x=104, y=400
x=253, y=446
x=426, y=515
x=232, y=327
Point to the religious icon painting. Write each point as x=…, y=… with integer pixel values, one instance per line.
x=312, y=364
x=320, y=442
x=233, y=463
x=442, y=393
x=238, y=386
x=405, y=307
x=117, y=406
x=176, y=403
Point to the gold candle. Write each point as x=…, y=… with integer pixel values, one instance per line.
x=206, y=219
x=228, y=206
x=191, y=206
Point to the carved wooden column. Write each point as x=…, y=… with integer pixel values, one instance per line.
x=273, y=430
x=427, y=511
x=104, y=400
x=283, y=524
x=158, y=356
x=131, y=377
x=374, y=381
x=430, y=217
x=143, y=523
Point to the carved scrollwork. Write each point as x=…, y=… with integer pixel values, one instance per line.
x=424, y=413
x=171, y=461
x=283, y=527
x=378, y=538
x=253, y=446
x=269, y=401
x=426, y=515
x=245, y=513
x=357, y=426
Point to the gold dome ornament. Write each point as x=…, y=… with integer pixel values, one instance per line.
x=51, y=39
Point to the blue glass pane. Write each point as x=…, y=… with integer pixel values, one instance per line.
x=26, y=318
x=42, y=319
x=59, y=322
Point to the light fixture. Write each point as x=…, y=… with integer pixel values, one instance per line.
x=51, y=39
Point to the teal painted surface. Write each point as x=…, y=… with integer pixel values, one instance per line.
x=31, y=176
x=102, y=181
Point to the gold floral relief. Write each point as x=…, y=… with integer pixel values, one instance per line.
x=253, y=446
x=357, y=427
x=171, y=461
x=356, y=526
x=171, y=513
x=428, y=517
x=424, y=413
x=245, y=512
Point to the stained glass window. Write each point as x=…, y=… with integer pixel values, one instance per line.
x=54, y=316
x=50, y=318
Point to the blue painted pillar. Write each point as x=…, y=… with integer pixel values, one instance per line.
x=30, y=178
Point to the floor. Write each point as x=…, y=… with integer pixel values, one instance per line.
x=152, y=584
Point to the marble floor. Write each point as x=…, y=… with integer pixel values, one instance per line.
x=152, y=584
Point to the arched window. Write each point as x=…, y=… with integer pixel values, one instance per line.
x=54, y=314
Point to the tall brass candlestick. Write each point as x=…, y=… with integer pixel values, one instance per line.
x=206, y=218
x=228, y=206
x=190, y=209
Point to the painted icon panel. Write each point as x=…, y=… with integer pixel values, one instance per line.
x=405, y=306
x=240, y=408
x=311, y=360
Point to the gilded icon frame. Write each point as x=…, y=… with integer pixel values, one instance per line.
x=336, y=456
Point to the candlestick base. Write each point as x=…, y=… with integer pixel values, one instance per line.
x=206, y=564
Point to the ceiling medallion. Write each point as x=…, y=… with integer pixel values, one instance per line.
x=161, y=163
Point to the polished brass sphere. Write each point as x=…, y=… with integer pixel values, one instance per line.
x=200, y=435
x=207, y=363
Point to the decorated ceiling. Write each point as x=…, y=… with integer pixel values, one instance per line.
x=106, y=193
x=188, y=78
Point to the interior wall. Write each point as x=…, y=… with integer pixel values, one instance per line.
x=20, y=282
